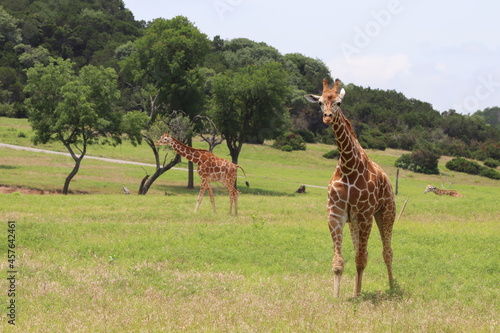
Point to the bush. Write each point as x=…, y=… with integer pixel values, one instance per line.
x=490, y=173
x=462, y=165
x=421, y=161
x=307, y=135
x=295, y=141
x=332, y=154
x=492, y=163
x=286, y=148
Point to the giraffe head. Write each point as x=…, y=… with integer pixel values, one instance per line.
x=164, y=140
x=429, y=188
x=329, y=101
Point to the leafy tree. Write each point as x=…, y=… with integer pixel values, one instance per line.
x=9, y=30
x=76, y=109
x=162, y=67
x=248, y=105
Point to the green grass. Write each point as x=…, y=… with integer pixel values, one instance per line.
x=107, y=262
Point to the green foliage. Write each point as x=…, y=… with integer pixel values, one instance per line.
x=291, y=141
x=421, y=160
x=492, y=163
x=332, y=154
x=490, y=173
x=462, y=165
x=248, y=105
x=167, y=57
x=307, y=135
x=74, y=109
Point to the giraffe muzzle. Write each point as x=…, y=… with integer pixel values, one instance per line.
x=327, y=118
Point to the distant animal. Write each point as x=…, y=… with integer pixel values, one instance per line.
x=125, y=190
x=302, y=189
x=210, y=168
x=438, y=191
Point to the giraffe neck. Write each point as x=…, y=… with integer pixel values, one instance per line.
x=189, y=153
x=352, y=155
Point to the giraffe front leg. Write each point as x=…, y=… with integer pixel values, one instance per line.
x=336, y=224
x=212, y=199
x=200, y=196
x=360, y=232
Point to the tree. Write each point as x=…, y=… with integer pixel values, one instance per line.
x=76, y=109
x=162, y=68
x=248, y=105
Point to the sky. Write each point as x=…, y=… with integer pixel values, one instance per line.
x=443, y=52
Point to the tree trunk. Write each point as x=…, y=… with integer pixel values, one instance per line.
x=160, y=171
x=78, y=161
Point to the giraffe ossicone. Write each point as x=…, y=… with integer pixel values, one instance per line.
x=358, y=191
x=210, y=168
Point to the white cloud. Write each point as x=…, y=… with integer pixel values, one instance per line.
x=371, y=70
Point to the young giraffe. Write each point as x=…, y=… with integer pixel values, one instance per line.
x=358, y=191
x=438, y=191
x=210, y=168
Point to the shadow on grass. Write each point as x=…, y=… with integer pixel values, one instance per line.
x=8, y=167
x=395, y=293
x=219, y=189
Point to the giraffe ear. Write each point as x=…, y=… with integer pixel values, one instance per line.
x=312, y=98
x=341, y=93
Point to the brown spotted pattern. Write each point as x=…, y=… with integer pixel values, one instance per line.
x=210, y=168
x=358, y=191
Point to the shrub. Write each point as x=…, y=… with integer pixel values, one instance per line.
x=421, y=161
x=460, y=164
x=490, y=173
x=286, y=148
x=295, y=141
x=307, y=135
x=492, y=163
x=332, y=154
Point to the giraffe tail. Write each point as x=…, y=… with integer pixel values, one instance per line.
x=246, y=182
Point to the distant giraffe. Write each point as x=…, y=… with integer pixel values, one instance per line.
x=438, y=191
x=358, y=191
x=210, y=168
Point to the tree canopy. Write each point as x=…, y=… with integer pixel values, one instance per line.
x=75, y=108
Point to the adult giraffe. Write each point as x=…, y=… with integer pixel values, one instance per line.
x=210, y=168
x=358, y=191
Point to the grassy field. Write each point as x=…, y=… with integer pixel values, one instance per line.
x=108, y=262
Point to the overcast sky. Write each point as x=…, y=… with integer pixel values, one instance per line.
x=444, y=52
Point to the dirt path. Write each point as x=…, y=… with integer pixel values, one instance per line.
x=110, y=160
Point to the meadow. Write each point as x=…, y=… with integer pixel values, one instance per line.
x=108, y=262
